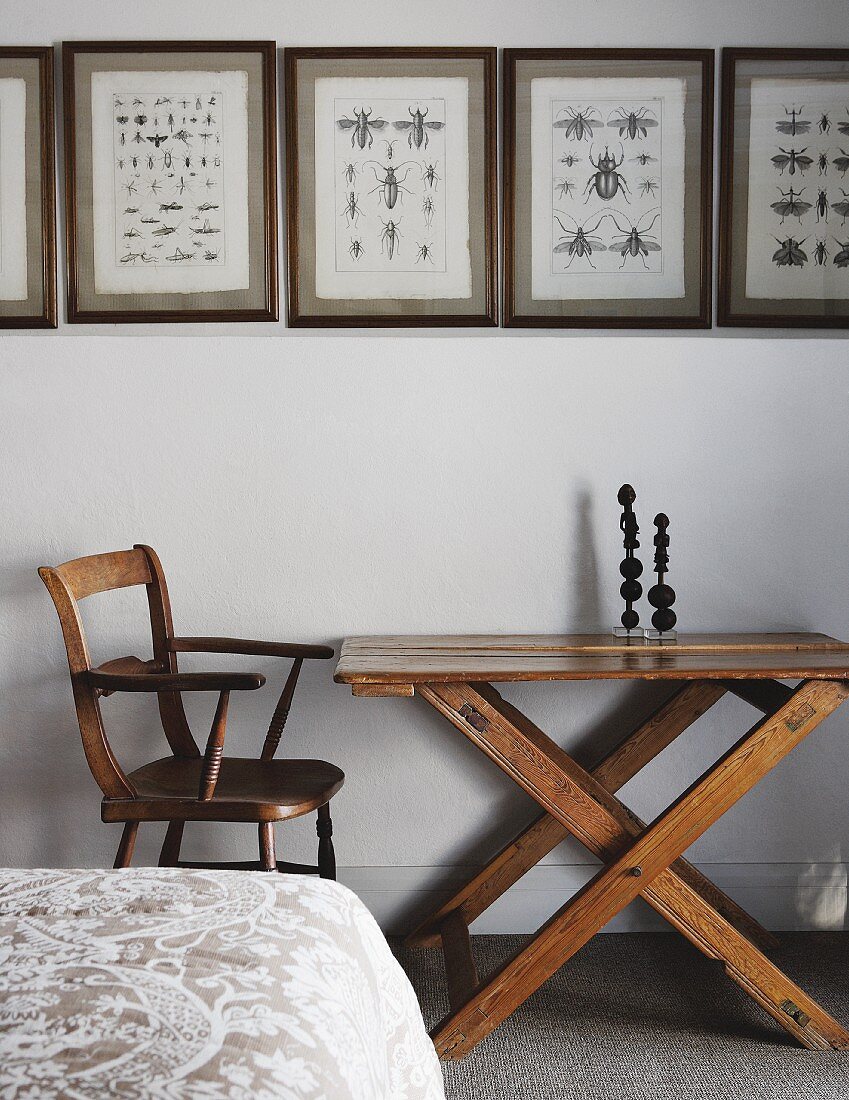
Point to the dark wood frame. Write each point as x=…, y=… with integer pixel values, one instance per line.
x=268, y=53
x=704, y=317
x=725, y=314
x=47, y=318
x=489, y=56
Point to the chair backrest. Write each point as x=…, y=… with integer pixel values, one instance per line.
x=73, y=581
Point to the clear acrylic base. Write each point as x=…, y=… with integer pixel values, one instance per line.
x=657, y=637
x=637, y=636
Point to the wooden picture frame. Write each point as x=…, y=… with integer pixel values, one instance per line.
x=327, y=288
x=225, y=168
x=797, y=284
x=28, y=203
x=672, y=289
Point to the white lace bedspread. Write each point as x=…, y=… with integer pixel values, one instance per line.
x=195, y=985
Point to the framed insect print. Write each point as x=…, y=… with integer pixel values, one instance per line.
x=27, y=189
x=784, y=203
x=171, y=173
x=391, y=186
x=607, y=188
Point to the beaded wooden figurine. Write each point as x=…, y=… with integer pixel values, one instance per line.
x=630, y=567
x=660, y=595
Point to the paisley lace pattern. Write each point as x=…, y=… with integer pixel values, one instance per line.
x=168, y=984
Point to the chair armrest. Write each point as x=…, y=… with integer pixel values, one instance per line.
x=176, y=681
x=251, y=648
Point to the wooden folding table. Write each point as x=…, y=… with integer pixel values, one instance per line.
x=455, y=675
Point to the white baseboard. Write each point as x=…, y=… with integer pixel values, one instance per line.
x=782, y=896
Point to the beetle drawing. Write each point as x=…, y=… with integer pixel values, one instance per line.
x=790, y=205
x=790, y=253
x=429, y=176
x=649, y=185
x=418, y=127
x=579, y=241
x=792, y=124
x=841, y=163
x=578, y=124
x=842, y=257
x=564, y=186
x=351, y=211
x=843, y=127
x=356, y=249
x=791, y=159
x=425, y=252
x=389, y=237
x=820, y=253
x=363, y=125
x=643, y=159
x=428, y=209
x=824, y=124
x=389, y=187
x=821, y=206
x=822, y=163
x=606, y=181
x=632, y=123
x=842, y=208
x=635, y=241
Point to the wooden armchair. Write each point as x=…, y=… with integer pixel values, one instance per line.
x=187, y=786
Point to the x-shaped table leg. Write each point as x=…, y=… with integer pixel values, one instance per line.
x=638, y=860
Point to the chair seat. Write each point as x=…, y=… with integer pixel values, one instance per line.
x=247, y=790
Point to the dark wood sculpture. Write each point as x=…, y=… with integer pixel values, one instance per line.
x=630, y=567
x=187, y=786
x=660, y=595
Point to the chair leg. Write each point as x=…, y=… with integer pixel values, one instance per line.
x=170, y=852
x=326, y=856
x=124, y=855
x=267, y=857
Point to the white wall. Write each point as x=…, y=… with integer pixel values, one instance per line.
x=309, y=486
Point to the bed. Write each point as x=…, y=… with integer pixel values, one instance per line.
x=169, y=983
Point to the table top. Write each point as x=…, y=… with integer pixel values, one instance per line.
x=503, y=658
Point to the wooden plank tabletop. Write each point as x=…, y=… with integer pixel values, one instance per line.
x=502, y=658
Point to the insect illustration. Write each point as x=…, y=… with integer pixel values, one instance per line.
x=138, y=102
x=140, y=120
x=132, y=232
x=425, y=252
x=166, y=206
x=207, y=228
x=643, y=159
x=138, y=139
x=791, y=159
x=130, y=187
x=792, y=124
x=649, y=185
x=632, y=123
x=578, y=124
x=635, y=241
x=428, y=209
x=122, y=120
x=165, y=231
x=841, y=208
x=150, y=162
x=822, y=163
x=418, y=127
x=183, y=186
x=841, y=163
x=179, y=254
x=822, y=206
x=351, y=211
x=579, y=241
x=570, y=160
x=790, y=205
x=208, y=119
x=161, y=101
x=843, y=127
x=390, y=187
x=842, y=257
x=824, y=124
x=363, y=125
x=790, y=253
x=131, y=257
x=211, y=254
x=350, y=173
x=606, y=180
x=204, y=206
x=157, y=139
x=132, y=210
x=183, y=135
x=390, y=148
x=205, y=135
x=150, y=221
x=167, y=160
x=356, y=250
x=564, y=186
x=429, y=176
x=820, y=253
x=154, y=187
x=389, y=237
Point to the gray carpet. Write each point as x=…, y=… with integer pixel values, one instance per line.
x=645, y=1017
